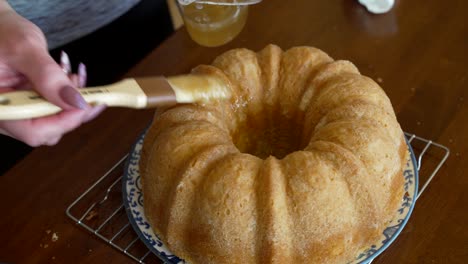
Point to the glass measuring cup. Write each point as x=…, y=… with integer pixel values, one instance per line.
x=215, y=22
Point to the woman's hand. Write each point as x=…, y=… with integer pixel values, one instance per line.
x=25, y=63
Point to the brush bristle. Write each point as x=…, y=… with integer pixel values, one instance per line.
x=198, y=88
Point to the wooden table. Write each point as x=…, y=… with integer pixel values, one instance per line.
x=418, y=52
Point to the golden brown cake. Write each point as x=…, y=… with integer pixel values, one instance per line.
x=303, y=165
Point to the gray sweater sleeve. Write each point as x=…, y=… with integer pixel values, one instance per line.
x=64, y=21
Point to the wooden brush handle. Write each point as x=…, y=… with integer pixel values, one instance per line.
x=28, y=104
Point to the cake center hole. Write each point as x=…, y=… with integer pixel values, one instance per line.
x=276, y=138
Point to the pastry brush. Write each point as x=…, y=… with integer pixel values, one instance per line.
x=144, y=92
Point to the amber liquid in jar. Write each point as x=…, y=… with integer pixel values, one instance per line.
x=214, y=25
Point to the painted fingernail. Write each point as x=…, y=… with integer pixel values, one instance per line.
x=95, y=112
x=82, y=75
x=72, y=97
x=65, y=62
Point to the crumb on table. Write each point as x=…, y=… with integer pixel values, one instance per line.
x=91, y=215
x=54, y=237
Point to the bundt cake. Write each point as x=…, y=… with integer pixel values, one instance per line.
x=302, y=165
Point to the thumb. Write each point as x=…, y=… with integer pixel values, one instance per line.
x=49, y=80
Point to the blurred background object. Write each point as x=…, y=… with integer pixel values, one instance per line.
x=383, y=25
x=378, y=6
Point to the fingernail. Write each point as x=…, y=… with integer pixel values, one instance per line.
x=82, y=75
x=95, y=112
x=72, y=97
x=65, y=62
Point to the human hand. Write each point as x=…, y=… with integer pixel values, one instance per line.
x=26, y=64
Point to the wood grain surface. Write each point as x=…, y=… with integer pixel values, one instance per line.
x=418, y=53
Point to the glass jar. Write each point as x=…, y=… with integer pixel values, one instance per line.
x=214, y=23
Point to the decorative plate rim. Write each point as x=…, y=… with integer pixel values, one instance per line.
x=133, y=222
x=149, y=241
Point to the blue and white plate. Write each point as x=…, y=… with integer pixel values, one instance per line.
x=133, y=201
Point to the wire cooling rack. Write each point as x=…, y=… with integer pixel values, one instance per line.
x=100, y=208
